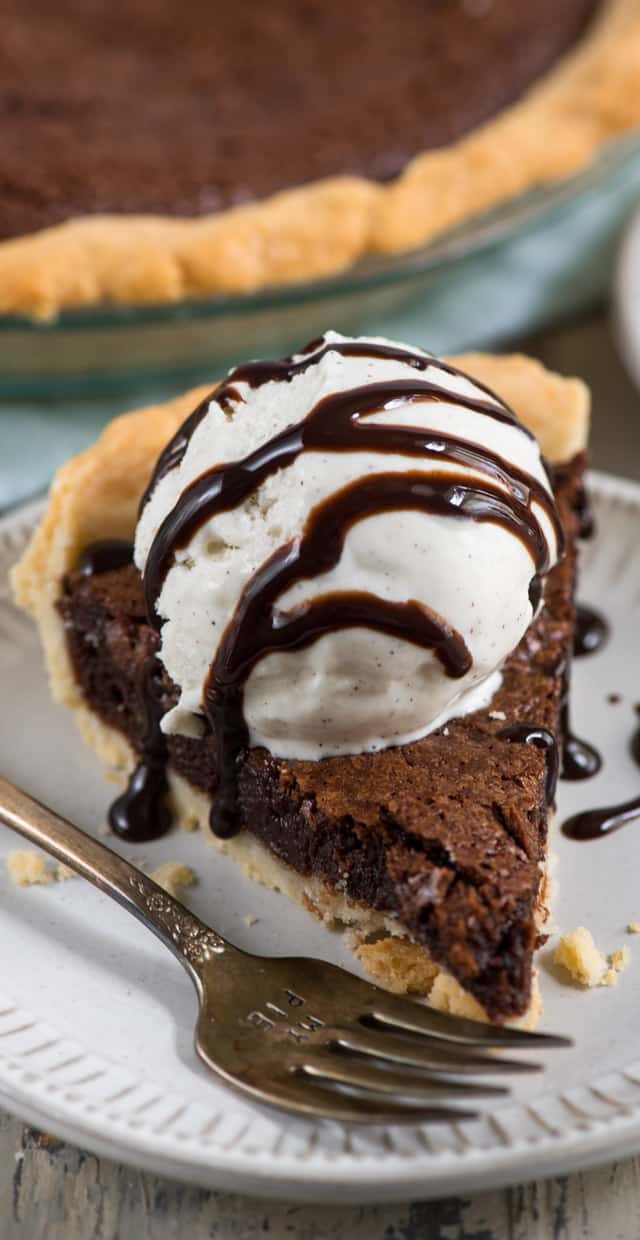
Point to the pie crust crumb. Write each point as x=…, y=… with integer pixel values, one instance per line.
x=578, y=954
x=620, y=959
x=173, y=877
x=64, y=872
x=28, y=868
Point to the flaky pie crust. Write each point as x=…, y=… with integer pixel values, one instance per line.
x=320, y=229
x=96, y=496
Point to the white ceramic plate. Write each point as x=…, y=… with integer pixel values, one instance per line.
x=96, y=1018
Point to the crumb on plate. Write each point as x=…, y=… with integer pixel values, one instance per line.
x=173, y=877
x=249, y=919
x=28, y=868
x=64, y=872
x=578, y=954
x=620, y=959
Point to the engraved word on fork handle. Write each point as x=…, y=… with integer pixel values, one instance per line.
x=189, y=939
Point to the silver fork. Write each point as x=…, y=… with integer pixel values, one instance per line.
x=299, y=1034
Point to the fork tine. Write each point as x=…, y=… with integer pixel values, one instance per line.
x=405, y=1015
x=312, y=1100
x=418, y=1085
x=430, y=1053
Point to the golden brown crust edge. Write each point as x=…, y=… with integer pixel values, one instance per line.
x=323, y=228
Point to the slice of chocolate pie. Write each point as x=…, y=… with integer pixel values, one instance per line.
x=340, y=641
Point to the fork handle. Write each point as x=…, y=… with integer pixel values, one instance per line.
x=193, y=942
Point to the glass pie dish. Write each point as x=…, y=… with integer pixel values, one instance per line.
x=535, y=258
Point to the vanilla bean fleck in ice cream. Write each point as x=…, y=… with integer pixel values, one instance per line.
x=340, y=549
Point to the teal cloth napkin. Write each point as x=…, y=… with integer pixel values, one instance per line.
x=555, y=267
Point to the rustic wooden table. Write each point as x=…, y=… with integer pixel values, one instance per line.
x=51, y=1191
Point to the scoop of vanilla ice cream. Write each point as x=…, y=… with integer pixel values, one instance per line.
x=357, y=689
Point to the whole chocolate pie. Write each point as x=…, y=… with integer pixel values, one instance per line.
x=159, y=150
x=342, y=642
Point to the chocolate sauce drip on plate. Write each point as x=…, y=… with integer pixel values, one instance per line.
x=593, y=824
x=592, y=631
x=542, y=738
x=141, y=813
x=105, y=557
x=578, y=758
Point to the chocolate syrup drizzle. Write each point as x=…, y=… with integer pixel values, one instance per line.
x=542, y=738
x=593, y=631
x=141, y=813
x=571, y=758
x=579, y=759
x=283, y=370
x=106, y=556
x=593, y=824
x=173, y=454
x=335, y=424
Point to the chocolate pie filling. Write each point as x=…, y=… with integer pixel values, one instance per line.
x=186, y=108
x=446, y=834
